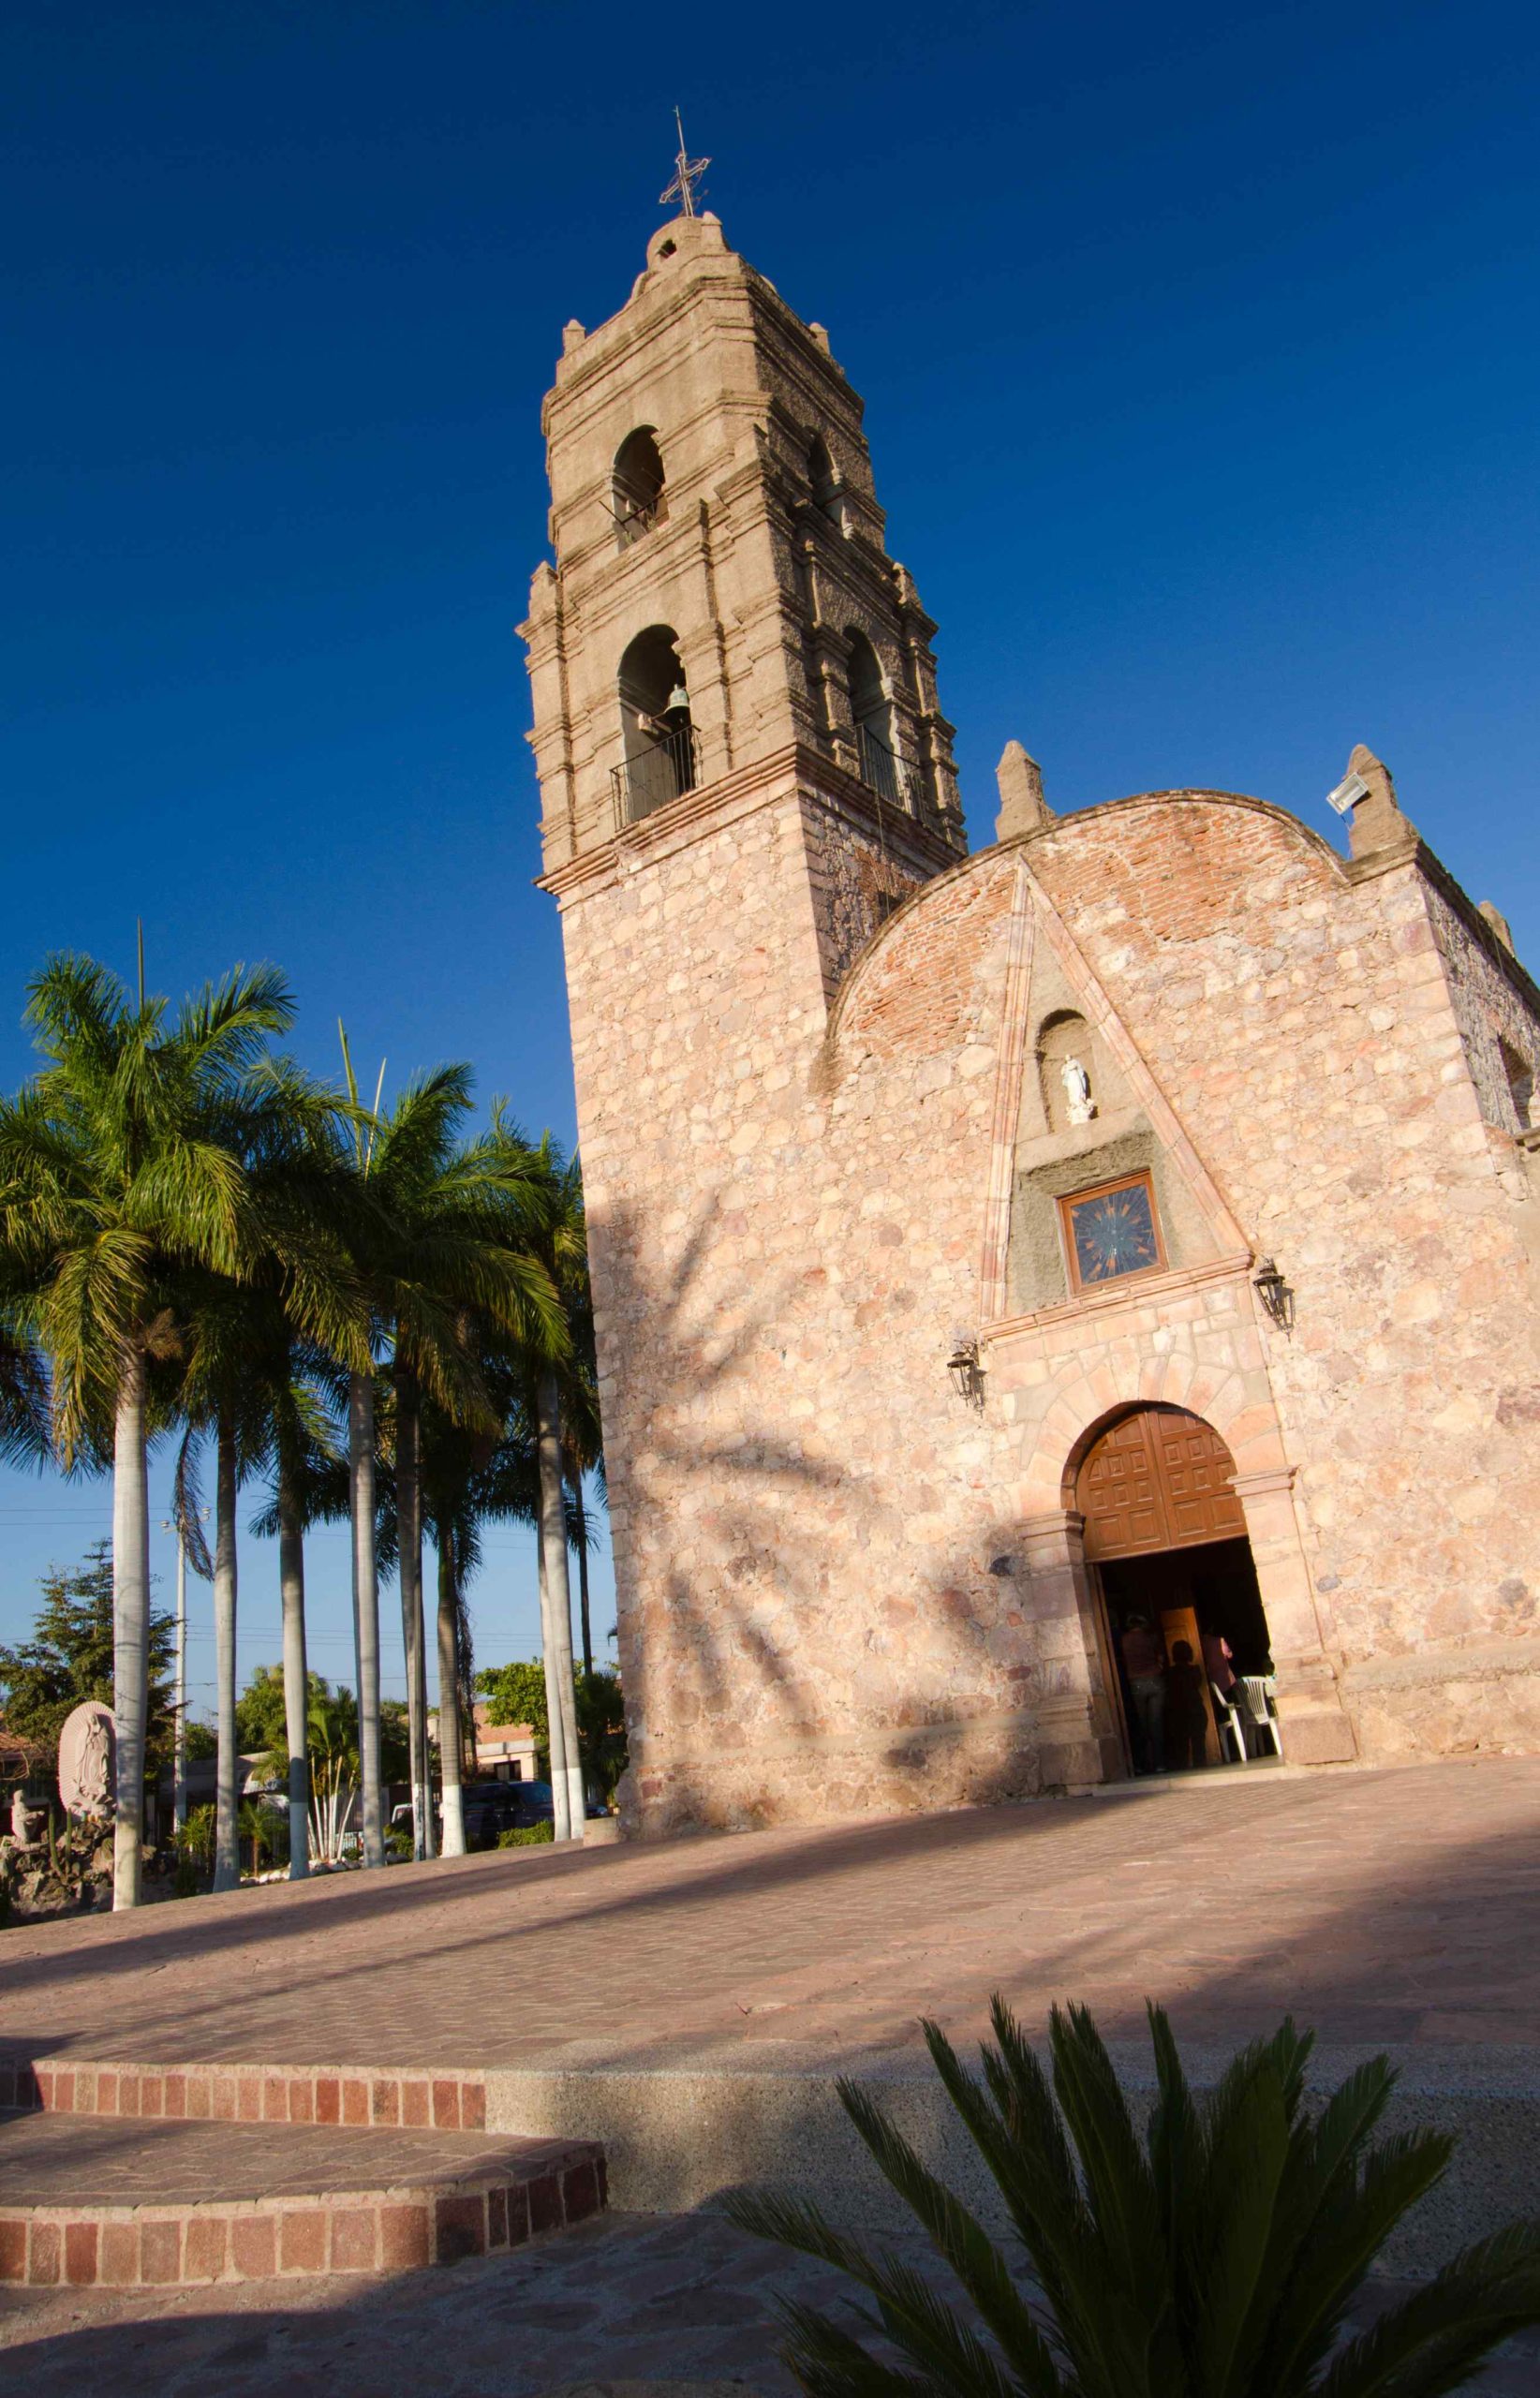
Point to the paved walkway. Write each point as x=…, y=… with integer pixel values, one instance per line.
x=627, y=2298
x=1396, y=1906
x=56, y=2160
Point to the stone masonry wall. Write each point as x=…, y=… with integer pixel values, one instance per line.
x=800, y=1503
x=1491, y=1013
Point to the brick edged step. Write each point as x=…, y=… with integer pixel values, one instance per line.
x=91, y=2200
x=446, y=2099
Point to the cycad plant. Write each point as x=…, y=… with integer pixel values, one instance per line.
x=1218, y=2257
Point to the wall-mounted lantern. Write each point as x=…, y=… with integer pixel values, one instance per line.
x=1276, y=1294
x=965, y=1370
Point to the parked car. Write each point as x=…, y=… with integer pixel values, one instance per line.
x=493, y=1807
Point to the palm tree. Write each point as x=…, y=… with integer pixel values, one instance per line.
x=1218, y=2257
x=222, y=1324
x=24, y=1426
x=469, y=1480
x=563, y=1251
x=239, y=1384
x=305, y=1453
x=297, y=1391
x=121, y=1169
x=582, y=1439
x=329, y=1735
x=363, y=1508
x=445, y=1244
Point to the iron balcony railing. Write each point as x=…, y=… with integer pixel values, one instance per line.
x=635, y=517
x=665, y=771
x=879, y=768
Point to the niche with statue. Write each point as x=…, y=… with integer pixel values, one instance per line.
x=1068, y=1071
x=1082, y=1131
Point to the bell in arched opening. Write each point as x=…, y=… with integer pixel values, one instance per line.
x=660, y=753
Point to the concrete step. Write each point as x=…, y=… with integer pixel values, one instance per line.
x=102, y=2200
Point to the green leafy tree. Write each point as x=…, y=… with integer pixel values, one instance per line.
x=601, y=1729
x=69, y=1658
x=516, y=1694
x=1217, y=2258
x=121, y=1169
x=261, y=1718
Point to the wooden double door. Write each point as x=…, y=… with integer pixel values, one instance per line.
x=1166, y=1540
x=1158, y=1478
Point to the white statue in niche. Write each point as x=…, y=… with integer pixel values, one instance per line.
x=1077, y=1091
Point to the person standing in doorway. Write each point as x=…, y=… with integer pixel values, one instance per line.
x=1144, y=1662
x=1186, y=1710
x=1219, y=1666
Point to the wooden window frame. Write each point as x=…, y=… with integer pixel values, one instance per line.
x=1141, y=1177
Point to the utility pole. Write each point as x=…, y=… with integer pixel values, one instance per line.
x=179, y=1690
x=179, y=1732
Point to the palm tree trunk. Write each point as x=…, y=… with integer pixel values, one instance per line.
x=451, y=1744
x=296, y=1672
x=559, y=1637
x=130, y=1629
x=408, y=1508
x=465, y=1659
x=226, y=1834
x=555, y=1730
x=361, y=1477
x=582, y=1572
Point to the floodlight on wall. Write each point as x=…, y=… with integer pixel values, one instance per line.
x=1349, y=791
x=1276, y=1294
x=966, y=1368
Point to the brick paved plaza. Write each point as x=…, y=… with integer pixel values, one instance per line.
x=1386, y=1906
x=1394, y=1908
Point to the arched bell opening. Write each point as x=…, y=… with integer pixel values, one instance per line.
x=871, y=713
x=660, y=738
x=638, y=494
x=1185, y=1639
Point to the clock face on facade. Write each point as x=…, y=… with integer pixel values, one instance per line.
x=1112, y=1230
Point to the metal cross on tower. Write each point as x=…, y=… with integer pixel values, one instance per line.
x=687, y=175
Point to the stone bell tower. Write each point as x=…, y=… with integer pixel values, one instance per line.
x=721, y=598
x=744, y=769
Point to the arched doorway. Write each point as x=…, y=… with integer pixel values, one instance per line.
x=1166, y=1540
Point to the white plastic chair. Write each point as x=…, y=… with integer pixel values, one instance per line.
x=1229, y=1721
x=1259, y=1690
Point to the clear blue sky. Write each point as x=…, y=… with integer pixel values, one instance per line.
x=1200, y=351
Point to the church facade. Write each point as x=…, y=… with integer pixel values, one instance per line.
x=1130, y=1230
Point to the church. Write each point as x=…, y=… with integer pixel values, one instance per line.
x=1054, y=1302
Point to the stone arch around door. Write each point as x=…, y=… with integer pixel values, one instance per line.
x=1079, y=1731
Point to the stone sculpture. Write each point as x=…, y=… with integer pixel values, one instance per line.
x=1077, y=1090
x=86, y=1750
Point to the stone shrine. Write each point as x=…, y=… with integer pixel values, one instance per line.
x=1135, y=1222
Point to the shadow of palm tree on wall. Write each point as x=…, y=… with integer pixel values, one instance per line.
x=750, y=1653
